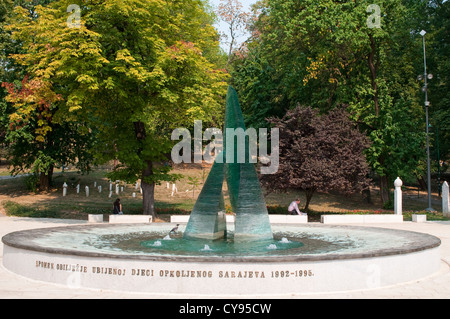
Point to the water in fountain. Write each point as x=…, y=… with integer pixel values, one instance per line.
x=220, y=247
x=206, y=248
x=157, y=244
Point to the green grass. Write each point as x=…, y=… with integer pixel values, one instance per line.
x=20, y=210
x=431, y=216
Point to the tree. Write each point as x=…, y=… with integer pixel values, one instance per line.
x=35, y=137
x=319, y=153
x=36, y=140
x=325, y=54
x=194, y=182
x=134, y=70
x=5, y=47
x=435, y=20
x=231, y=12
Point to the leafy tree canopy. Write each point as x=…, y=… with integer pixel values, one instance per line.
x=134, y=70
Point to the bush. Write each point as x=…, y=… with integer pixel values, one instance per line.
x=277, y=210
x=171, y=211
x=31, y=182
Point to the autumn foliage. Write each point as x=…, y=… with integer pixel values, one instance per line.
x=32, y=101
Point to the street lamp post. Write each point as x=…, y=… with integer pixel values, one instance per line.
x=438, y=161
x=427, y=104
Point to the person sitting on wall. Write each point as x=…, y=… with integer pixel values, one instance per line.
x=117, y=207
x=293, y=208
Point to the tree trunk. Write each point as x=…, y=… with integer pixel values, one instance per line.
x=422, y=184
x=45, y=180
x=373, y=66
x=230, y=51
x=367, y=195
x=148, y=192
x=384, y=183
x=148, y=189
x=384, y=189
x=309, y=195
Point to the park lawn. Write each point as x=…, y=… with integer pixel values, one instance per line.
x=17, y=200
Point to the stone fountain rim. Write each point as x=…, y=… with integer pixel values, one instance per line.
x=421, y=241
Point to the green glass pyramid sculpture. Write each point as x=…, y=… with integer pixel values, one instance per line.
x=207, y=220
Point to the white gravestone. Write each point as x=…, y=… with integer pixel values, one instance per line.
x=174, y=189
x=445, y=200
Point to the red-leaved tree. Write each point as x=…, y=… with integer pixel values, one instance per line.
x=319, y=153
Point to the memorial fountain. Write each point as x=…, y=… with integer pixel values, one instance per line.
x=210, y=257
x=207, y=219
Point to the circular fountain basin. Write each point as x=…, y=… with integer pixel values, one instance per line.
x=144, y=258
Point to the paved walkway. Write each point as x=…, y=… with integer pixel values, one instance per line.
x=434, y=286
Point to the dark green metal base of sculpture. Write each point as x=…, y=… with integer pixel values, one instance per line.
x=207, y=219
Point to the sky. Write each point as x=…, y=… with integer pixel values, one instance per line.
x=224, y=27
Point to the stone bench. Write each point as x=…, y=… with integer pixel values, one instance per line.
x=183, y=219
x=95, y=218
x=130, y=219
x=419, y=218
x=288, y=219
x=360, y=219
